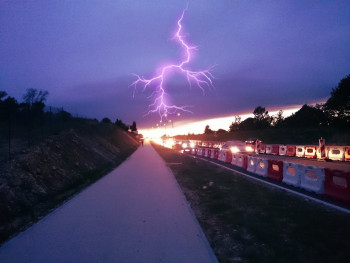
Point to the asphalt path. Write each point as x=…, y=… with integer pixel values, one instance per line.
x=137, y=213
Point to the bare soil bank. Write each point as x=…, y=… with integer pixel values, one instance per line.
x=38, y=180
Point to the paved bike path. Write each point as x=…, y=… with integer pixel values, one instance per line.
x=136, y=213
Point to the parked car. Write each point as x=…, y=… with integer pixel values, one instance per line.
x=237, y=147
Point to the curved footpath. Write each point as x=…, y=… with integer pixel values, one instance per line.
x=136, y=213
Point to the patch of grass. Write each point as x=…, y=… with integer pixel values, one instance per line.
x=246, y=221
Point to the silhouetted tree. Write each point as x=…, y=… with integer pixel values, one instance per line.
x=248, y=124
x=262, y=117
x=278, y=119
x=307, y=116
x=133, y=126
x=207, y=130
x=338, y=105
x=33, y=96
x=221, y=132
x=235, y=125
x=106, y=120
x=121, y=125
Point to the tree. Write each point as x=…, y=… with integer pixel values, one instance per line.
x=235, y=125
x=133, y=126
x=221, y=132
x=278, y=119
x=262, y=117
x=260, y=113
x=33, y=96
x=106, y=120
x=121, y=125
x=307, y=116
x=207, y=130
x=338, y=105
x=248, y=124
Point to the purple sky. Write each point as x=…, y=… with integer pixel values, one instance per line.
x=269, y=53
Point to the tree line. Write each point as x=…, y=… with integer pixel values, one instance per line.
x=334, y=113
x=30, y=119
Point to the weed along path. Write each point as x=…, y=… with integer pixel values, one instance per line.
x=137, y=213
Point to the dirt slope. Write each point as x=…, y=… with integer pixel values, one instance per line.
x=38, y=180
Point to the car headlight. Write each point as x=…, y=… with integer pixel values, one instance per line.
x=249, y=149
x=234, y=149
x=184, y=145
x=192, y=145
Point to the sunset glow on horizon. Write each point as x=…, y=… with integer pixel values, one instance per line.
x=197, y=127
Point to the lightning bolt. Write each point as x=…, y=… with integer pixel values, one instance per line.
x=202, y=79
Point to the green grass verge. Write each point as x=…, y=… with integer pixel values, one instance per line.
x=246, y=221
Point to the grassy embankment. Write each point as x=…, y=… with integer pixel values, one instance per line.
x=246, y=221
x=41, y=177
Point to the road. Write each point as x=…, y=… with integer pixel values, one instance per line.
x=137, y=213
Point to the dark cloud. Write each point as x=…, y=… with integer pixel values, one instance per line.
x=271, y=53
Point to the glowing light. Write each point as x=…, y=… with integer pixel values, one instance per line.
x=249, y=149
x=234, y=149
x=201, y=79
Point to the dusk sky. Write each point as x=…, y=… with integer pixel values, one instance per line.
x=269, y=53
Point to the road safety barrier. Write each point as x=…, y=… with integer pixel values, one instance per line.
x=291, y=150
x=275, y=170
x=312, y=179
x=228, y=157
x=292, y=173
x=321, y=151
x=310, y=152
x=216, y=154
x=300, y=151
x=336, y=153
x=234, y=158
x=347, y=154
x=222, y=156
x=251, y=164
x=268, y=149
x=319, y=155
x=262, y=148
x=241, y=160
x=282, y=150
x=337, y=184
x=275, y=149
x=272, y=149
x=208, y=152
x=261, y=167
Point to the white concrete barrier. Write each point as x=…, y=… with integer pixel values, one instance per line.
x=282, y=150
x=222, y=156
x=292, y=173
x=336, y=153
x=242, y=160
x=252, y=162
x=310, y=152
x=300, y=151
x=261, y=167
x=268, y=149
x=312, y=179
x=234, y=159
